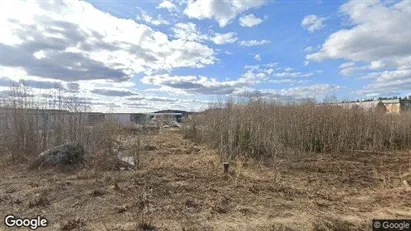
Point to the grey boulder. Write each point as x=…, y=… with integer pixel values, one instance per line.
x=66, y=154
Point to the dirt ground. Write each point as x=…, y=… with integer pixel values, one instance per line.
x=181, y=186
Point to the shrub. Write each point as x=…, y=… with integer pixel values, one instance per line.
x=29, y=126
x=261, y=128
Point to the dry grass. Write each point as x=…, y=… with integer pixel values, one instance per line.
x=28, y=127
x=262, y=129
x=181, y=186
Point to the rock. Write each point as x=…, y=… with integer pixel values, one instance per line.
x=97, y=193
x=149, y=148
x=66, y=154
x=122, y=209
x=196, y=148
x=125, y=161
x=175, y=124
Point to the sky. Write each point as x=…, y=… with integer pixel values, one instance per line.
x=141, y=56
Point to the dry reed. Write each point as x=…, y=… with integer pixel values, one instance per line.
x=261, y=128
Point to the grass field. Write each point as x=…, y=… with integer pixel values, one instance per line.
x=181, y=186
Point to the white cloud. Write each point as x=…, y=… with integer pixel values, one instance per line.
x=315, y=91
x=223, y=11
x=288, y=81
x=374, y=65
x=254, y=74
x=159, y=20
x=250, y=43
x=312, y=91
x=229, y=37
x=53, y=45
x=262, y=66
x=308, y=49
x=378, y=33
x=167, y=5
x=113, y=92
x=250, y=20
x=257, y=57
x=190, y=32
x=387, y=83
x=292, y=74
x=312, y=23
x=346, y=65
x=196, y=84
x=71, y=47
x=378, y=36
x=348, y=68
x=39, y=83
x=39, y=54
x=272, y=73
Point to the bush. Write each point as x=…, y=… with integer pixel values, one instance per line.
x=28, y=127
x=260, y=128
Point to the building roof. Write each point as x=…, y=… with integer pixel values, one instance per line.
x=172, y=111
